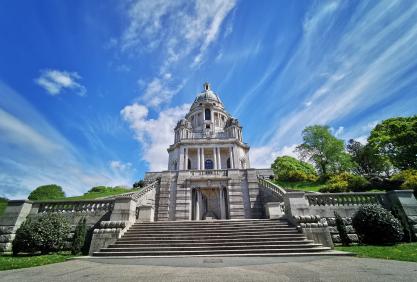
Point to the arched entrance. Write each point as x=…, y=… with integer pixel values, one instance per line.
x=209, y=203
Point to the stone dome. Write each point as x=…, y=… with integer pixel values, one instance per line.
x=207, y=95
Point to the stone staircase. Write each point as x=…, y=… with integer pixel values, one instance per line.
x=213, y=238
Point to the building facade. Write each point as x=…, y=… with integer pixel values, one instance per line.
x=209, y=174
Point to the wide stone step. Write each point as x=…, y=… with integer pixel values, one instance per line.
x=211, y=227
x=211, y=240
x=208, y=236
x=212, y=252
x=212, y=223
x=221, y=243
x=212, y=231
x=117, y=248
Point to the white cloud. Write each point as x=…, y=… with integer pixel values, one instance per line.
x=34, y=153
x=55, y=82
x=352, y=73
x=179, y=33
x=154, y=135
x=120, y=166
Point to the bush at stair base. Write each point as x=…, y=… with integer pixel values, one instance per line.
x=45, y=233
x=376, y=225
x=80, y=234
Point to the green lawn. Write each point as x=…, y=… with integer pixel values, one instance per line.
x=404, y=252
x=3, y=204
x=304, y=186
x=10, y=262
x=95, y=195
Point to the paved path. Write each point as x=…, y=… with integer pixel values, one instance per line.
x=220, y=269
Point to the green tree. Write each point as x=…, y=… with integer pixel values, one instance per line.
x=47, y=192
x=80, y=234
x=139, y=184
x=287, y=168
x=395, y=138
x=367, y=161
x=324, y=150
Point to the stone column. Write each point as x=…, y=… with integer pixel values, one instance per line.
x=197, y=205
x=198, y=159
x=219, y=165
x=214, y=158
x=222, y=204
x=202, y=158
x=186, y=159
x=232, y=165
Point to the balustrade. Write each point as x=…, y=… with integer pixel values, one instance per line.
x=75, y=206
x=345, y=199
x=271, y=186
x=219, y=172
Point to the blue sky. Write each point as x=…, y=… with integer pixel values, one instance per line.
x=90, y=90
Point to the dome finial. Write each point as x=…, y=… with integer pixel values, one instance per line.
x=206, y=86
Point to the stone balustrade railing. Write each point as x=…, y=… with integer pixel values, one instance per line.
x=136, y=195
x=64, y=206
x=219, y=172
x=279, y=191
x=345, y=199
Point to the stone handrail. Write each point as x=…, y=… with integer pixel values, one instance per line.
x=271, y=186
x=220, y=172
x=138, y=194
x=345, y=199
x=65, y=206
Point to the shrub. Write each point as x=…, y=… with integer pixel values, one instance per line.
x=99, y=189
x=345, y=182
x=139, y=184
x=47, y=192
x=80, y=234
x=290, y=169
x=45, y=233
x=408, y=179
x=376, y=225
x=341, y=228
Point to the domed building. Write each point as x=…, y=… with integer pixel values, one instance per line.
x=208, y=174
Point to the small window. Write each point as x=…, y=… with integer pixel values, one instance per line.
x=207, y=114
x=208, y=126
x=189, y=164
x=228, y=163
x=208, y=164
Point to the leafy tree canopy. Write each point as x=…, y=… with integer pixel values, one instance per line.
x=366, y=159
x=324, y=150
x=287, y=168
x=139, y=184
x=396, y=138
x=47, y=192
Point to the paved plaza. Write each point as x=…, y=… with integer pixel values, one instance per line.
x=220, y=269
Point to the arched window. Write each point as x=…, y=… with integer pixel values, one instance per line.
x=207, y=114
x=208, y=164
x=228, y=163
x=189, y=164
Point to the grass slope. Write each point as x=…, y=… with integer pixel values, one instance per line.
x=107, y=193
x=403, y=252
x=3, y=204
x=10, y=262
x=303, y=186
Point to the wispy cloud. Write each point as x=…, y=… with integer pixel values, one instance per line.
x=34, y=153
x=56, y=82
x=347, y=61
x=180, y=32
x=154, y=135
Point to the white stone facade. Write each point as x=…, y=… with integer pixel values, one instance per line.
x=208, y=174
x=208, y=137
